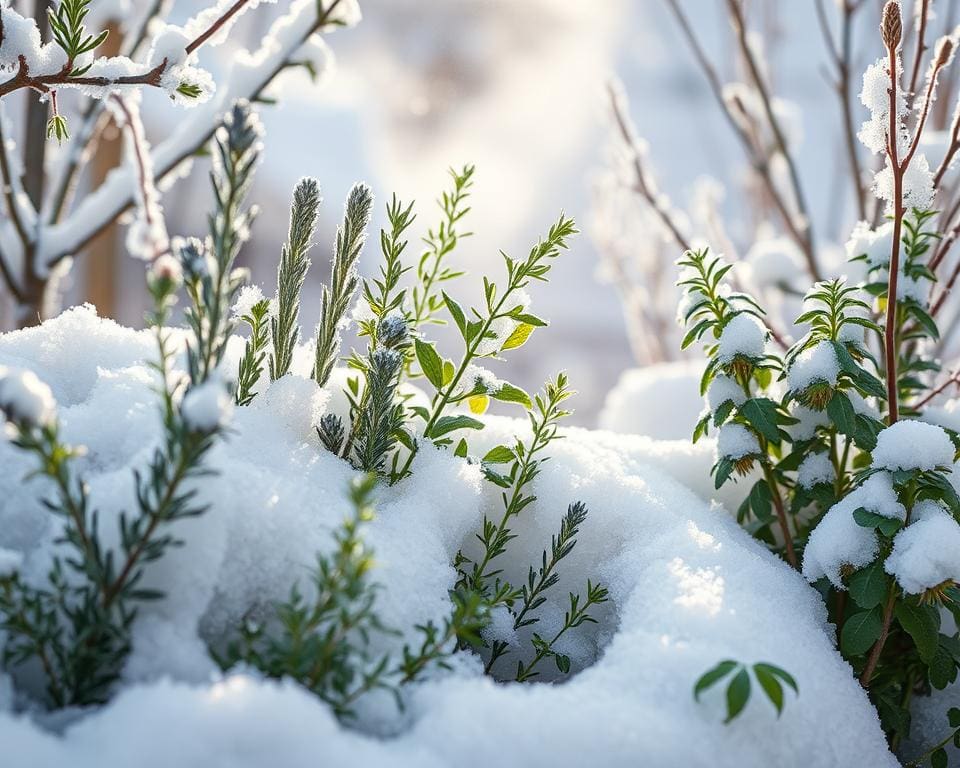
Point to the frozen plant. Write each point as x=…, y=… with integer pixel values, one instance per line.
x=43, y=227
x=837, y=438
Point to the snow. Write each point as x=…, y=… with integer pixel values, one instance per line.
x=913, y=445
x=10, y=562
x=774, y=261
x=660, y=401
x=724, y=389
x=248, y=296
x=207, y=406
x=744, y=336
x=927, y=552
x=917, y=184
x=875, y=244
x=807, y=422
x=24, y=398
x=479, y=378
x=736, y=441
x=815, y=469
x=816, y=364
x=875, y=97
x=839, y=541
x=688, y=588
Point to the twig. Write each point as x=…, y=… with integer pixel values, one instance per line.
x=921, y=45
x=841, y=60
x=641, y=184
x=761, y=165
x=806, y=223
x=953, y=378
x=232, y=11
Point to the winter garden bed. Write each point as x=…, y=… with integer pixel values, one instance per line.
x=687, y=586
x=230, y=541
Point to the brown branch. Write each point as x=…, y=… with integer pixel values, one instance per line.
x=759, y=163
x=897, y=170
x=842, y=61
x=951, y=149
x=954, y=378
x=921, y=45
x=43, y=83
x=807, y=223
x=215, y=27
x=641, y=184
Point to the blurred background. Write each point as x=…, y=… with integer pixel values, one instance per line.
x=519, y=88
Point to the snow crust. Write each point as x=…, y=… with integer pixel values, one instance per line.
x=688, y=588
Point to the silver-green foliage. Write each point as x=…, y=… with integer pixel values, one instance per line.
x=335, y=299
x=284, y=328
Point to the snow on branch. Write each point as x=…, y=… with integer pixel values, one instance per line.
x=250, y=74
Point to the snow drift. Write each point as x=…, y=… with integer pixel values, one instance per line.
x=688, y=589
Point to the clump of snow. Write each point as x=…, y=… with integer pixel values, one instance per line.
x=816, y=364
x=477, y=378
x=249, y=296
x=927, y=552
x=688, y=588
x=660, y=401
x=913, y=445
x=875, y=97
x=807, y=422
x=917, y=184
x=24, y=398
x=10, y=562
x=875, y=244
x=736, y=441
x=170, y=46
x=207, y=406
x=815, y=469
x=839, y=541
x=724, y=389
x=744, y=335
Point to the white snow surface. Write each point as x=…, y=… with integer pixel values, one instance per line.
x=913, y=445
x=688, y=588
x=815, y=469
x=660, y=401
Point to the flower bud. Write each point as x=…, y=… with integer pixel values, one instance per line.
x=891, y=25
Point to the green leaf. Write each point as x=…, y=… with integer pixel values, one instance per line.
x=508, y=393
x=922, y=623
x=778, y=672
x=860, y=632
x=519, y=336
x=430, y=362
x=841, y=413
x=770, y=685
x=943, y=669
x=939, y=758
x=761, y=413
x=921, y=316
x=888, y=526
x=461, y=449
x=868, y=586
x=712, y=676
x=456, y=311
x=447, y=424
x=738, y=692
x=953, y=717
x=499, y=455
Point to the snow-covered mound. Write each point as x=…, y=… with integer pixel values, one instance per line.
x=688, y=589
x=661, y=401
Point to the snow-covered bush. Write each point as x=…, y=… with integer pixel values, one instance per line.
x=853, y=487
x=77, y=94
